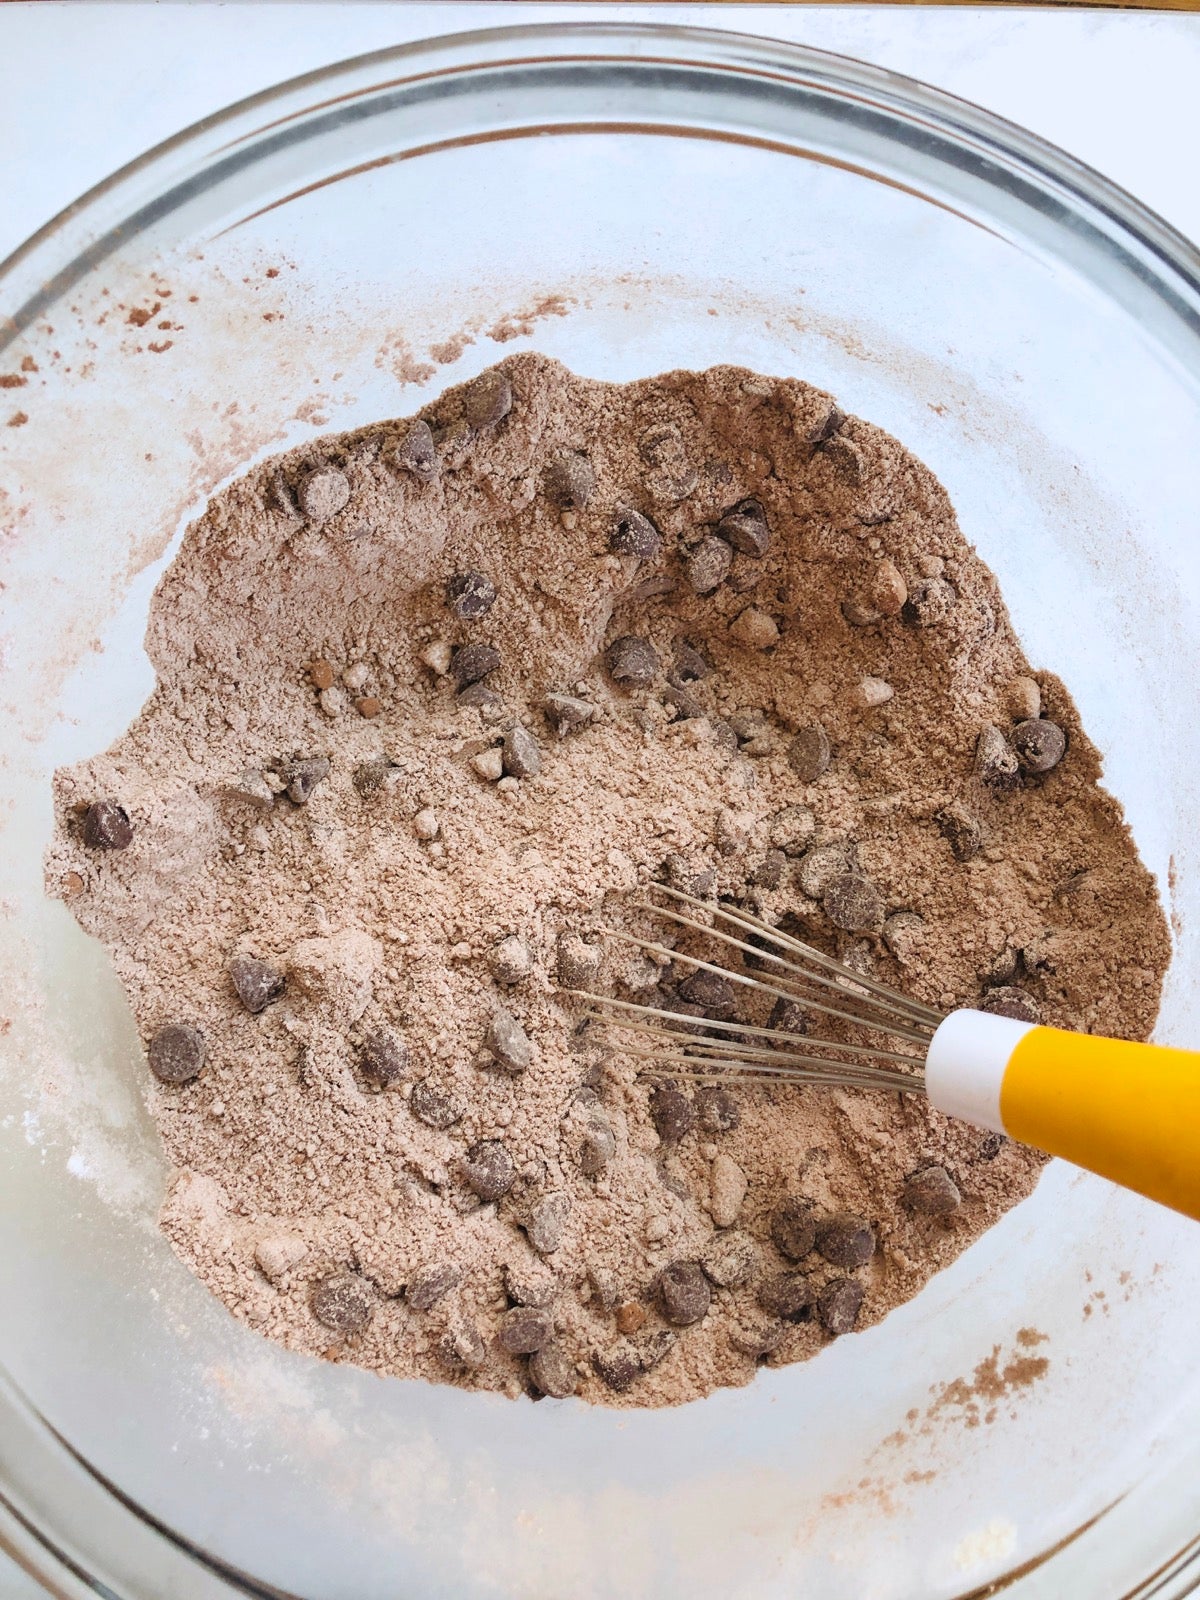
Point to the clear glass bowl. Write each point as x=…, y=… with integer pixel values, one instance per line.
x=628, y=199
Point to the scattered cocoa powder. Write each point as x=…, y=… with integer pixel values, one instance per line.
x=418, y=1130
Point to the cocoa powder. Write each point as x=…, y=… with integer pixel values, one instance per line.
x=397, y=1125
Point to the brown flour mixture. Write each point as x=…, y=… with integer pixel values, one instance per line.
x=433, y=700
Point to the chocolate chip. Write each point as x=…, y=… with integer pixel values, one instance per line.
x=930, y=601
x=371, y=776
x=521, y=752
x=846, y=1240
x=684, y=703
x=510, y=961
x=567, y=714
x=679, y=1009
x=472, y=662
x=839, y=1304
x=616, y=1368
x=597, y=1146
x=570, y=480
x=991, y=1146
x=1041, y=955
x=708, y=565
x=176, y=1053
x=454, y=437
x=256, y=982
x=786, y=1294
x=578, y=963
x=672, y=1112
x=996, y=761
x=717, y=1111
x=433, y=1106
x=826, y=427
x=282, y=497
x=431, y=1283
x=755, y=1337
x=547, y=1221
x=1040, y=745
x=710, y=990
x=933, y=1192
x=343, y=1302
x=904, y=934
x=322, y=493
x=1009, y=1001
x=961, y=831
x=683, y=1293
x=672, y=477
x=730, y=1259
x=524, y=1330
x=853, y=903
x=303, y=776
x=488, y=1170
x=529, y=1283
x=632, y=661
x=809, y=753
x=106, y=826
x=662, y=444
x=252, y=786
x=383, y=1058
x=482, y=699
x=733, y=830
x=887, y=590
x=603, y=1286
x=723, y=735
x=848, y=461
x=745, y=528
x=820, y=866
x=508, y=1043
x=788, y=1016
x=755, y=732
x=461, y=1347
x=470, y=595
x=689, y=665
x=552, y=1372
x=651, y=1348
x=791, y=830
x=416, y=453
x=635, y=535
x=488, y=399
x=684, y=875
x=793, y=1228
x=1002, y=968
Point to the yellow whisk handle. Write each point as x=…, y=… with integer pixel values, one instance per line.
x=1130, y=1112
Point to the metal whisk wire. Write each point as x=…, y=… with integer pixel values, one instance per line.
x=670, y=1042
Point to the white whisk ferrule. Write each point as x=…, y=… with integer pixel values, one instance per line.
x=968, y=1057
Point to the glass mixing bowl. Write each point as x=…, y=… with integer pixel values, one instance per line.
x=627, y=199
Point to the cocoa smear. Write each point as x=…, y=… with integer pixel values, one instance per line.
x=289, y=1168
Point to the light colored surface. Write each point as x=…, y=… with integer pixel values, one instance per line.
x=144, y=73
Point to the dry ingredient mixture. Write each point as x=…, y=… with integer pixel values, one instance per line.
x=436, y=700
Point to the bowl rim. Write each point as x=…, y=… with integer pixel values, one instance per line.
x=55, y=257
x=82, y=234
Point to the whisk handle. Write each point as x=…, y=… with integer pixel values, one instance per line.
x=1130, y=1112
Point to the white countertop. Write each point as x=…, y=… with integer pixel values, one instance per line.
x=86, y=87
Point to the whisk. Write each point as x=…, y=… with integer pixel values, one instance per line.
x=1130, y=1112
